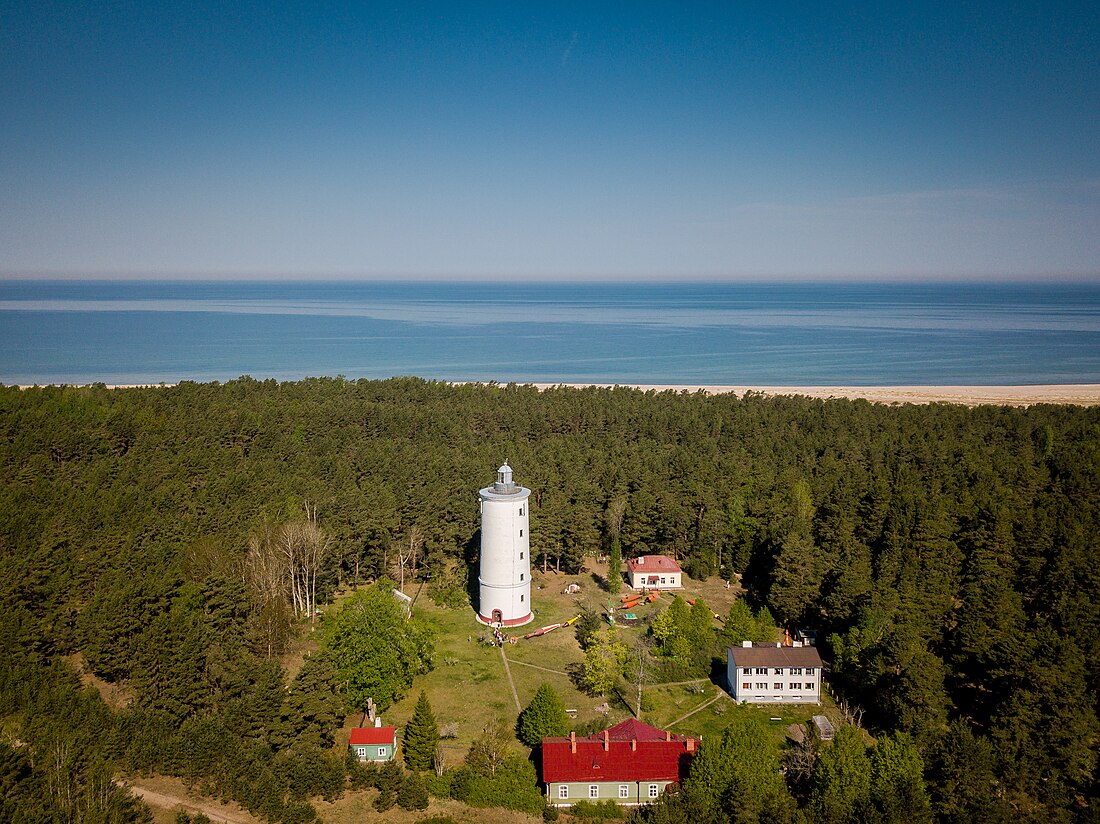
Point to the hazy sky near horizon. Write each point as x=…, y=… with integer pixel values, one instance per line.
x=739, y=140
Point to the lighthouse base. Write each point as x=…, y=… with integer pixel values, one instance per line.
x=490, y=621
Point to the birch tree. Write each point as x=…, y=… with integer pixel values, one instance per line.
x=283, y=563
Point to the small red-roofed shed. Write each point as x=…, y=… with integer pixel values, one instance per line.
x=654, y=572
x=374, y=743
x=630, y=763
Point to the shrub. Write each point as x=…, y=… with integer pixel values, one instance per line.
x=439, y=786
x=413, y=795
x=362, y=774
x=513, y=785
x=298, y=812
x=596, y=809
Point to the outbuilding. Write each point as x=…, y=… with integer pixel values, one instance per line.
x=654, y=572
x=374, y=743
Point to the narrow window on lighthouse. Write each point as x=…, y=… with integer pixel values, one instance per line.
x=521, y=510
x=521, y=533
x=521, y=576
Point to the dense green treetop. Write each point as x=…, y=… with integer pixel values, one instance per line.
x=375, y=648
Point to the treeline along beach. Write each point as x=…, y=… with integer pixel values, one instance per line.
x=946, y=556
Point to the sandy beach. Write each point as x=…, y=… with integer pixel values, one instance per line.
x=1078, y=394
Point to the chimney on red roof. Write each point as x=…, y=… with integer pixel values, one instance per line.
x=606, y=741
x=668, y=735
x=573, y=742
x=633, y=744
x=691, y=744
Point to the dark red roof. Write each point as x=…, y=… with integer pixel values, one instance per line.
x=633, y=730
x=646, y=756
x=373, y=735
x=653, y=563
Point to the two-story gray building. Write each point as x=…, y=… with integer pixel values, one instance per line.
x=774, y=674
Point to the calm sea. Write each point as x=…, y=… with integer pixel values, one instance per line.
x=791, y=334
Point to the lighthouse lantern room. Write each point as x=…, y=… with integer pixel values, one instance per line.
x=505, y=575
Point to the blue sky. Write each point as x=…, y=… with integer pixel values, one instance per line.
x=742, y=141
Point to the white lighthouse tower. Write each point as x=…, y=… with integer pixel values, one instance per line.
x=505, y=577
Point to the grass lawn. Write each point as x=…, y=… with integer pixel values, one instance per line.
x=468, y=687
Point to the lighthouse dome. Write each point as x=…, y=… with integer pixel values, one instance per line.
x=504, y=483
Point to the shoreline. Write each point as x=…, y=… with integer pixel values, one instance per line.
x=1074, y=394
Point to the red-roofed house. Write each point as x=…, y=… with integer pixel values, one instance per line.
x=374, y=743
x=654, y=572
x=630, y=763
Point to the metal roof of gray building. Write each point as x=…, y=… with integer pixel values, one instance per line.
x=775, y=657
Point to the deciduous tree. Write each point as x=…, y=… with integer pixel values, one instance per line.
x=603, y=663
x=842, y=783
x=897, y=781
x=490, y=750
x=376, y=650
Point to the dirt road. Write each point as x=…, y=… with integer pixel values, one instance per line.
x=167, y=797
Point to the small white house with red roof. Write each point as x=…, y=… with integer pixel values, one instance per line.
x=654, y=572
x=375, y=743
x=630, y=763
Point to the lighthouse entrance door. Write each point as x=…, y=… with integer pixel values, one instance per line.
x=498, y=616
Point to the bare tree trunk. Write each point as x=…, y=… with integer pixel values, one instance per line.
x=316, y=545
x=613, y=516
x=416, y=540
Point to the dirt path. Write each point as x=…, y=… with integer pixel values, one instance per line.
x=168, y=800
x=511, y=683
x=544, y=669
x=702, y=706
x=655, y=685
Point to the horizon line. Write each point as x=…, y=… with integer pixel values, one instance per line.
x=610, y=280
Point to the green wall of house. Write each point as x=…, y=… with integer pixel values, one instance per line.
x=374, y=752
x=637, y=792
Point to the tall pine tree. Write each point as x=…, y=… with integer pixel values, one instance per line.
x=544, y=716
x=421, y=736
x=615, y=567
